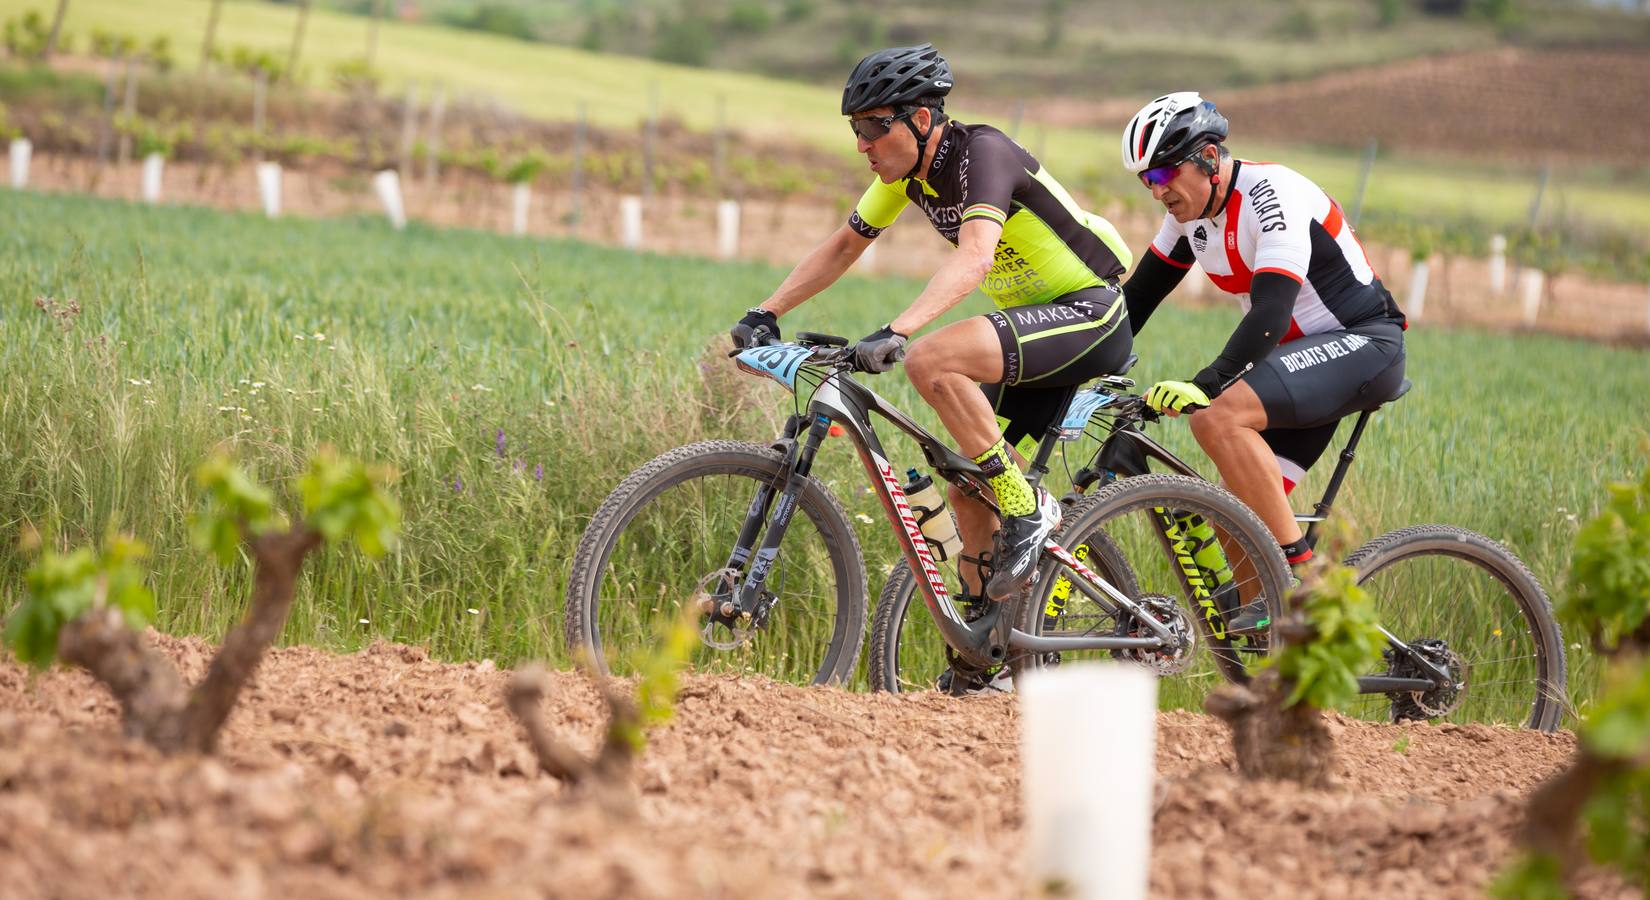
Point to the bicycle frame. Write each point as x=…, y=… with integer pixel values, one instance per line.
x=838, y=399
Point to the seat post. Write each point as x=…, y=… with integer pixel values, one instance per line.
x=1321, y=510
x=1051, y=436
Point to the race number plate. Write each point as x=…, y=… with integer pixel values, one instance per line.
x=779, y=362
x=1080, y=411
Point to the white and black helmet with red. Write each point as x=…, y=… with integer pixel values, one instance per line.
x=1169, y=129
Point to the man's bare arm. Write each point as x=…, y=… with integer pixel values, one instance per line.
x=961, y=274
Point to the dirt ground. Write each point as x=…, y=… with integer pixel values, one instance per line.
x=387, y=773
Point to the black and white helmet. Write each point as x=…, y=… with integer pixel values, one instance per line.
x=1169, y=129
x=898, y=76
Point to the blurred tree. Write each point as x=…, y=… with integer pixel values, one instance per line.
x=749, y=17
x=56, y=32
x=798, y=10
x=298, y=38
x=211, y=33
x=497, y=18
x=687, y=40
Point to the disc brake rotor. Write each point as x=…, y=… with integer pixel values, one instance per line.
x=1162, y=661
x=1441, y=700
x=713, y=596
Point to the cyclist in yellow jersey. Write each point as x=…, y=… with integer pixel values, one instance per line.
x=1052, y=269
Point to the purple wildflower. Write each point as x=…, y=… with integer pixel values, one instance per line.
x=499, y=443
x=458, y=484
x=538, y=471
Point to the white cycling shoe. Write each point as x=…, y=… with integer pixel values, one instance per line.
x=1020, y=543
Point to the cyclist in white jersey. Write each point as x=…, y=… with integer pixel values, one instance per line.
x=1320, y=336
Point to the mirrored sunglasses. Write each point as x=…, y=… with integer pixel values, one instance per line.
x=871, y=128
x=1159, y=175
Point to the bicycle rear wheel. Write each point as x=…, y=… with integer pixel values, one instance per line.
x=665, y=534
x=1134, y=516
x=1467, y=603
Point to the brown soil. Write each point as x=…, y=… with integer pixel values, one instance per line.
x=385, y=772
x=1509, y=104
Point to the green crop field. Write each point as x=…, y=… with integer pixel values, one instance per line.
x=514, y=382
x=550, y=81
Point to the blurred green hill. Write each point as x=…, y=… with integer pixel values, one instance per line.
x=1059, y=48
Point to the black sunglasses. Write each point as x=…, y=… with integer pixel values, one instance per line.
x=871, y=128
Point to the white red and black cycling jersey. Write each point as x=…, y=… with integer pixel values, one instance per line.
x=1277, y=220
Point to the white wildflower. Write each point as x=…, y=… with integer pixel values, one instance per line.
x=298, y=337
x=318, y=336
x=481, y=387
x=473, y=611
x=863, y=518
x=257, y=384
x=363, y=621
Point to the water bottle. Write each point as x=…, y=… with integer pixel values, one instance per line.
x=933, y=519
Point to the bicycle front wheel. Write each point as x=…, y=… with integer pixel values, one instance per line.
x=1195, y=555
x=1470, y=606
x=663, y=539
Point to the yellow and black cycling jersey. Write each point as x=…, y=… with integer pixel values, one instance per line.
x=1050, y=246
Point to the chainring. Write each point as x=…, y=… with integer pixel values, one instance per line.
x=1162, y=661
x=1441, y=700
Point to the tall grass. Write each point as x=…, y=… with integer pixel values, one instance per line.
x=198, y=328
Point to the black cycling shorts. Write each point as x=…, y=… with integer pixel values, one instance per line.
x=1050, y=347
x=1309, y=384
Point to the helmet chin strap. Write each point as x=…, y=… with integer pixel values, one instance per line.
x=1214, y=184
x=922, y=140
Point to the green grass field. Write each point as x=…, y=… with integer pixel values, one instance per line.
x=550, y=81
x=197, y=329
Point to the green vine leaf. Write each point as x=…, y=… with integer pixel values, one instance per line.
x=62, y=587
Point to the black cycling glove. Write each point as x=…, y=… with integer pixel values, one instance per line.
x=879, y=350
x=757, y=328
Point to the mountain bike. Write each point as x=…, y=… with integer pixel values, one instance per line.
x=715, y=525
x=1470, y=631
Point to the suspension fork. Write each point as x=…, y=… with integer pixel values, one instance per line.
x=1198, y=580
x=757, y=513
x=799, y=462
